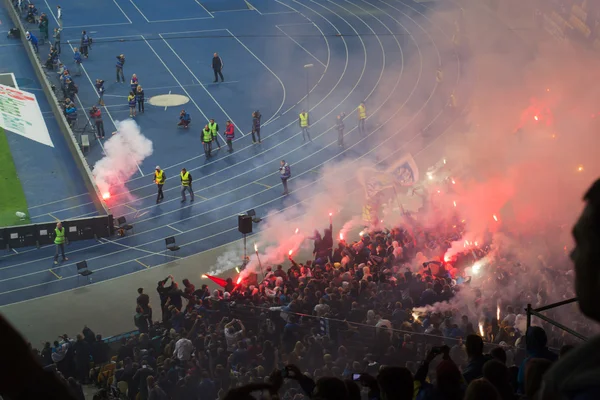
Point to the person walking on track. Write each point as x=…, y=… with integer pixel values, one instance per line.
x=207, y=140
x=159, y=178
x=339, y=126
x=256, y=126
x=304, y=125
x=214, y=130
x=229, y=135
x=362, y=116
x=186, y=185
x=59, y=242
x=285, y=173
x=217, y=66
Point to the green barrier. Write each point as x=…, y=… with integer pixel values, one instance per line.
x=70, y=138
x=12, y=197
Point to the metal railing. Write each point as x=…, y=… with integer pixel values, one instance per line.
x=536, y=312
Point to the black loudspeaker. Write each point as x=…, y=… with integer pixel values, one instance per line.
x=245, y=224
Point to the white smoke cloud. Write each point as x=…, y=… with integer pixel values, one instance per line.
x=123, y=153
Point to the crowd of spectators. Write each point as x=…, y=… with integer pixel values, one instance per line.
x=37, y=25
x=359, y=319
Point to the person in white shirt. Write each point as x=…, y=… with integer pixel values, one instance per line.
x=234, y=332
x=183, y=349
x=59, y=16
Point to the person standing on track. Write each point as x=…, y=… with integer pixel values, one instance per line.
x=362, y=116
x=214, y=129
x=207, y=140
x=59, y=242
x=85, y=44
x=229, y=135
x=159, y=178
x=100, y=89
x=120, y=64
x=78, y=60
x=186, y=185
x=217, y=66
x=304, y=125
x=139, y=95
x=256, y=126
x=59, y=16
x=339, y=125
x=56, y=37
x=96, y=115
x=285, y=173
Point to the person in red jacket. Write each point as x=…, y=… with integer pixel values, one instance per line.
x=229, y=135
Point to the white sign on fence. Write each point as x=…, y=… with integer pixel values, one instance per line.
x=20, y=113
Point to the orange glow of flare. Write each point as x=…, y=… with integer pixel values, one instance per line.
x=447, y=258
x=415, y=316
x=290, y=253
x=341, y=236
x=580, y=168
x=297, y=230
x=498, y=313
x=495, y=218
x=536, y=118
x=204, y=276
x=476, y=244
x=239, y=280
x=481, y=333
x=106, y=195
x=453, y=182
x=361, y=233
x=255, y=248
x=330, y=214
x=454, y=204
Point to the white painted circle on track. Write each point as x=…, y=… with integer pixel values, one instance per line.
x=169, y=100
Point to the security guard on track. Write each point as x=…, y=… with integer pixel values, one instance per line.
x=186, y=185
x=362, y=116
x=207, y=138
x=59, y=241
x=304, y=125
x=159, y=179
x=214, y=129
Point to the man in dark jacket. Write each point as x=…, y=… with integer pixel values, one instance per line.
x=82, y=352
x=474, y=369
x=217, y=66
x=285, y=173
x=256, y=126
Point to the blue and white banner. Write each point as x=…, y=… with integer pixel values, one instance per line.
x=403, y=172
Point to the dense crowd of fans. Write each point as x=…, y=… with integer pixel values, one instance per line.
x=359, y=319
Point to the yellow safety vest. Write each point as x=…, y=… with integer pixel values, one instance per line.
x=213, y=128
x=185, y=179
x=362, y=112
x=158, y=177
x=60, y=236
x=304, y=120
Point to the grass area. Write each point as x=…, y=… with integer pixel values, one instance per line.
x=12, y=197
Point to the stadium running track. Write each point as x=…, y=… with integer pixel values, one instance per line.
x=384, y=52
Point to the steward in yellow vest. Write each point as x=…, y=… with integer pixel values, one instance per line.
x=59, y=241
x=186, y=185
x=304, y=125
x=214, y=130
x=159, y=178
x=207, y=138
x=362, y=116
